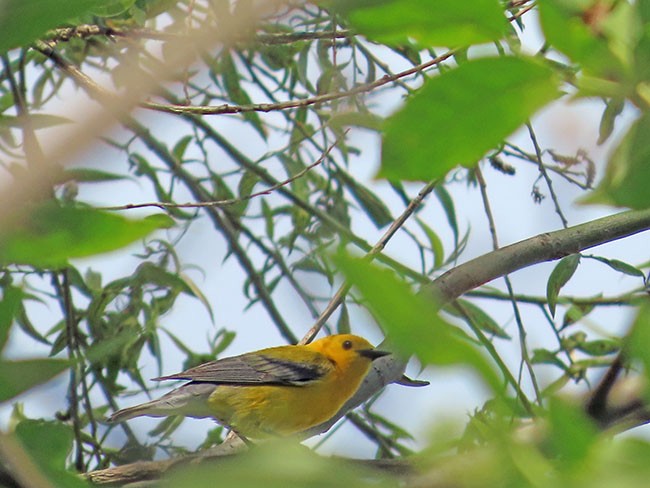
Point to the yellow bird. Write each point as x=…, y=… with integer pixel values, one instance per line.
x=277, y=391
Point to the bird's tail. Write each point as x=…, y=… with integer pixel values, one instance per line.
x=190, y=400
x=149, y=409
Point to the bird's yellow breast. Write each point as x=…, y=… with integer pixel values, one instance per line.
x=280, y=410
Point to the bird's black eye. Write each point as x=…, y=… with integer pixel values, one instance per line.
x=347, y=345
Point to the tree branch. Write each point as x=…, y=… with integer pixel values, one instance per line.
x=538, y=249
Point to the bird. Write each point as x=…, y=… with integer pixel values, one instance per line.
x=274, y=392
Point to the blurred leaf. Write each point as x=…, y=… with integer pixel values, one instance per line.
x=19, y=376
x=566, y=27
x=600, y=347
x=628, y=171
x=426, y=138
x=366, y=120
x=112, y=8
x=49, y=443
x=639, y=338
x=37, y=121
x=88, y=175
x=194, y=290
x=576, y=312
x=278, y=465
x=343, y=324
x=613, y=109
x=23, y=21
x=560, y=275
x=411, y=321
x=232, y=85
x=544, y=356
x=67, y=232
x=572, y=434
x=430, y=22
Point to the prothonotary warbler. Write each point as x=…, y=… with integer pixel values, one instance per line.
x=277, y=391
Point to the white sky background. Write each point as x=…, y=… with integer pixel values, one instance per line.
x=453, y=392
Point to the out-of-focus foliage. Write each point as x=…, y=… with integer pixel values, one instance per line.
x=245, y=111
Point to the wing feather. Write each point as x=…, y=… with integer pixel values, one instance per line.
x=258, y=369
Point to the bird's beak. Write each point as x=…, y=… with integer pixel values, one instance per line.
x=372, y=354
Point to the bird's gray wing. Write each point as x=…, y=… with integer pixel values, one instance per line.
x=255, y=369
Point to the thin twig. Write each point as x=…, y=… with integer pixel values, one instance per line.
x=547, y=179
x=233, y=201
x=65, y=301
x=626, y=299
x=525, y=358
x=305, y=102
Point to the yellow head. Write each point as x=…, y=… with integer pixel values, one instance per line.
x=347, y=352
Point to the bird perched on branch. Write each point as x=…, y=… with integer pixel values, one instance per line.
x=277, y=391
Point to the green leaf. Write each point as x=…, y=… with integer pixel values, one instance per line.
x=479, y=318
x=435, y=243
x=112, y=8
x=50, y=234
x=560, y=275
x=181, y=146
x=88, y=175
x=430, y=22
x=343, y=324
x=572, y=434
x=565, y=29
x=613, y=109
x=278, y=464
x=22, y=21
x=9, y=307
x=625, y=183
x=544, y=356
x=49, y=444
x=600, y=347
x=366, y=120
x=639, y=338
x=374, y=207
x=411, y=321
x=232, y=85
x=37, y=121
x=429, y=136
x=621, y=266
x=576, y=312
x=448, y=206
x=19, y=376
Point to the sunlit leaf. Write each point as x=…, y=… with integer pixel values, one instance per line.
x=430, y=22
x=19, y=376
x=628, y=171
x=566, y=27
x=22, y=21
x=457, y=117
x=67, y=232
x=48, y=444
